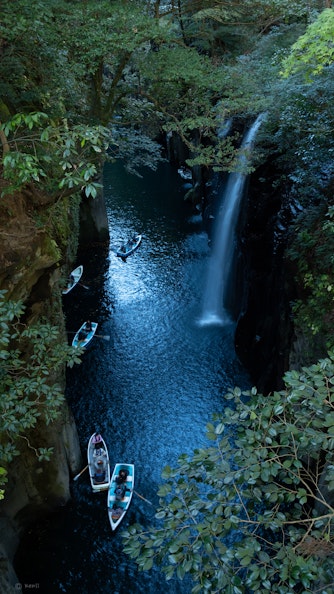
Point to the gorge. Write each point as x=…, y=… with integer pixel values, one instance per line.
x=137, y=90
x=127, y=216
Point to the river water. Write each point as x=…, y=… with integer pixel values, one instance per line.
x=149, y=384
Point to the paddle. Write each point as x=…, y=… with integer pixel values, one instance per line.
x=80, y=473
x=104, y=336
x=84, y=286
x=141, y=497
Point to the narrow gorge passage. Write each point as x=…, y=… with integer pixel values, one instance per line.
x=150, y=389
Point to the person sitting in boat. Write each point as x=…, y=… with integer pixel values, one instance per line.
x=86, y=330
x=98, y=445
x=72, y=280
x=99, y=472
x=98, y=451
x=121, y=477
x=82, y=335
x=116, y=511
x=120, y=491
x=97, y=440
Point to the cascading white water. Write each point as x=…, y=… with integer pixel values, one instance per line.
x=219, y=270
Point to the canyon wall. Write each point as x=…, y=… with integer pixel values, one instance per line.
x=38, y=244
x=264, y=332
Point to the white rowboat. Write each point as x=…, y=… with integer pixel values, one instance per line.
x=118, y=504
x=73, y=280
x=98, y=463
x=128, y=248
x=85, y=334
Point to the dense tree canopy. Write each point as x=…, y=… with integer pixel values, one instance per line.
x=145, y=63
x=303, y=135
x=314, y=50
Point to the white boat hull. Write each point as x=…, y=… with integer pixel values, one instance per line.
x=128, y=248
x=82, y=342
x=95, y=454
x=75, y=276
x=124, y=503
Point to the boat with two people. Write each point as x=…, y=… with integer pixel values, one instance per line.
x=73, y=279
x=129, y=247
x=85, y=334
x=120, y=493
x=98, y=463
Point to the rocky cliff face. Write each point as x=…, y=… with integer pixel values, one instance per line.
x=37, y=239
x=264, y=328
x=261, y=303
x=93, y=220
x=35, y=488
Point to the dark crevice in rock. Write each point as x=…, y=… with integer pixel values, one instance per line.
x=264, y=328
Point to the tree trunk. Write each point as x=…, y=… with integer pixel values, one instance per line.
x=4, y=142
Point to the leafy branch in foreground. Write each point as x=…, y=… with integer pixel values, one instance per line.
x=314, y=50
x=253, y=512
x=311, y=250
x=63, y=159
x=30, y=358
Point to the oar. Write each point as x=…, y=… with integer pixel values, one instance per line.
x=84, y=286
x=141, y=497
x=80, y=473
x=104, y=336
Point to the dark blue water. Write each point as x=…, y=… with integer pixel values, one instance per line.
x=150, y=389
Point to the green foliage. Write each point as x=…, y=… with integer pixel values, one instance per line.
x=59, y=158
x=312, y=250
x=233, y=27
x=135, y=149
x=302, y=135
x=184, y=88
x=253, y=512
x=34, y=49
x=314, y=50
x=3, y=480
x=115, y=59
x=298, y=136
x=305, y=121
x=31, y=357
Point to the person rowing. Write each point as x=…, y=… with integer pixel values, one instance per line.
x=121, y=477
x=100, y=472
x=116, y=511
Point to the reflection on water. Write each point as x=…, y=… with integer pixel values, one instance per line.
x=150, y=389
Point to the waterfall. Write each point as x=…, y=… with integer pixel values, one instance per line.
x=219, y=270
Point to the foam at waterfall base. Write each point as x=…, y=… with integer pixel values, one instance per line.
x=214, y=319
